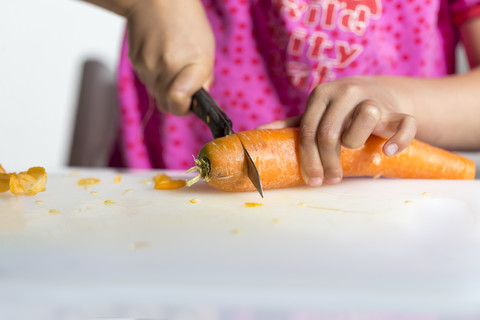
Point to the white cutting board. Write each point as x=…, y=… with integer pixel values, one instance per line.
x=381, y=245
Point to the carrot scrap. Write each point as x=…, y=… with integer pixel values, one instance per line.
x=29, y=182
x=253, y=204
x=88, y=181
x=221, y=162
x=5, y=181
x=164, y=182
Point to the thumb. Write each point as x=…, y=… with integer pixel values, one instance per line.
x=190, y=79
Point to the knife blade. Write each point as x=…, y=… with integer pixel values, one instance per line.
x=205, y=107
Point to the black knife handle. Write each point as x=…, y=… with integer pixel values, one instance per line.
x=206, y=109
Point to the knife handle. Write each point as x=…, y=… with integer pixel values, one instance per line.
x=204, y=107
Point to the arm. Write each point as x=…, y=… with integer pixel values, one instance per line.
x=171, y=47
x=448, y=109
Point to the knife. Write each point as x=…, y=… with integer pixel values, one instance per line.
x=204, y=107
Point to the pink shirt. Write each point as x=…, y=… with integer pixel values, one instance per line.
x=270, y=54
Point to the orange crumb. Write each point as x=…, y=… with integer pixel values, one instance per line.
x=253, y=204
x=194, y=200
x=88, y=181
x=127, y=191
x=5, y=181
x=118, y=178
x=164, y=182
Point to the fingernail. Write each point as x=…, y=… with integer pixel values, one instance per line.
x=334, y=180
x=391, y=149
x=315, y=182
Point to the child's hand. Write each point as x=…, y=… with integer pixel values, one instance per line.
x=172, y=50
x=345, y=113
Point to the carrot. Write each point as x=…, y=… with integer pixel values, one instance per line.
x=221, y=162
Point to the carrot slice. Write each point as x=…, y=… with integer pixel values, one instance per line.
x=221, y=162
x=28, y=183
x=1, y=169
x=165, y=182
x=5, y=181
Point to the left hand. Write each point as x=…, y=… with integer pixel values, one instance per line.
x=345, y=112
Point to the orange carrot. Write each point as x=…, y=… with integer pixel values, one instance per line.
x=221, y=162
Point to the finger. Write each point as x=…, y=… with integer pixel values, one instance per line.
x=364, y=121
x=405, y=133
x=175, y=87
x=280, y=124
x=309, y=156
x=179, y=93
x=329, y=140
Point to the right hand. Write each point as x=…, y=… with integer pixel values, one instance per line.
x=172, y=50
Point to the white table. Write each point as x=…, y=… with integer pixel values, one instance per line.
x=375, y=247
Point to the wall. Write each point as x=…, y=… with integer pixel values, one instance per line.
x=42, y=47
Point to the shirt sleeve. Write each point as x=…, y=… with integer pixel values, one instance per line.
x=463, y=10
